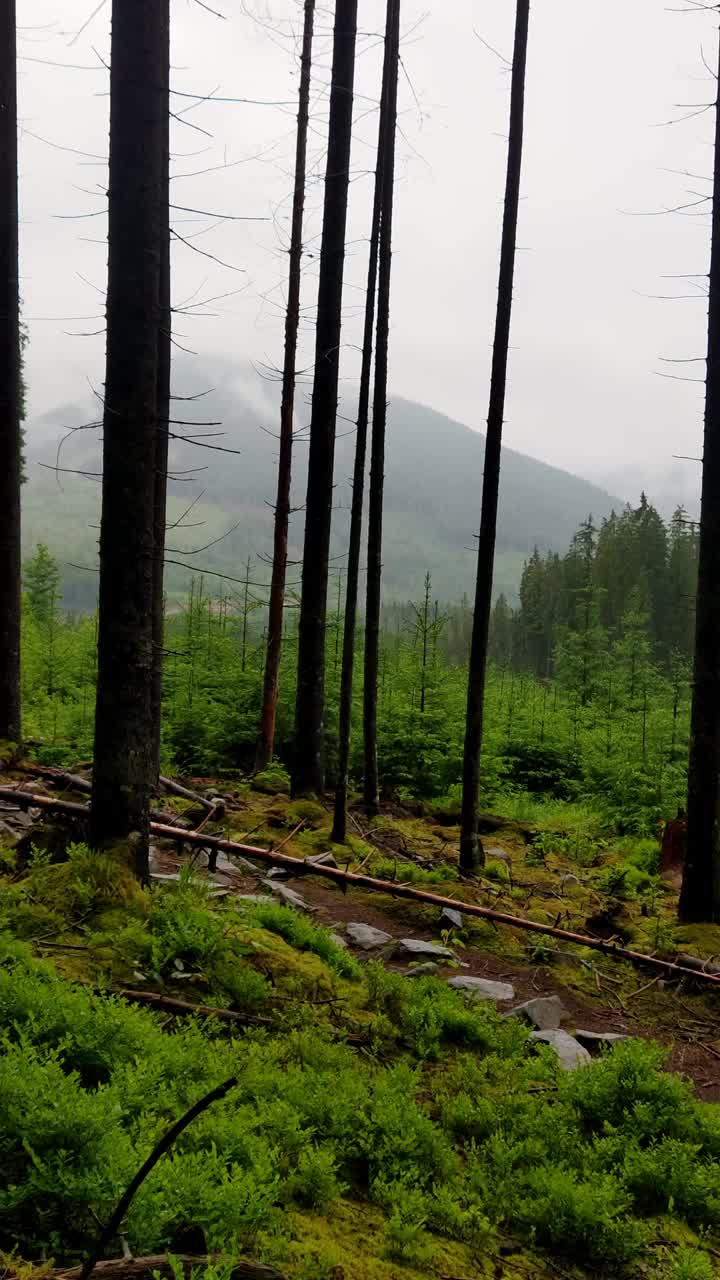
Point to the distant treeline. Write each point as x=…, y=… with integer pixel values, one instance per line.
x=631, y=580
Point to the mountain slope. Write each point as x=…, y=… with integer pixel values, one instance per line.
x=433, y=488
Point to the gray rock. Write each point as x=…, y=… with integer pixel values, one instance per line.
x=568, y=880
x=8, y=835
x=367, y=938
x=545, y=1012
x=427, y=970
x=596, y=1039
x=571, y=1055
x=322, y=859
x=483, y=988
x=450, y=916
x=416, y=947
x=241, y=864
x=278, y=873
x=287, y=896
x=338, y=940
x=497, y=854
x=262, y=899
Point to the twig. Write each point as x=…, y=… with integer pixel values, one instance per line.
x=165, y=1143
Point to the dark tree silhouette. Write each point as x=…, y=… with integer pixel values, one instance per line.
x=124, y=738
x=308, y=766
x=268, y=715
x=10, y=385
x=471, y=851
x=339, y=833
x=700, y=897
x=377, y=453
x=164, y=371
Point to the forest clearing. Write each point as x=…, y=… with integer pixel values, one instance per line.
x=344, y=935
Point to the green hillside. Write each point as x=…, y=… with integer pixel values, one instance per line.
x=433, y=489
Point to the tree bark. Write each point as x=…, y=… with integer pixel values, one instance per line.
x=700, y=897
x=164, y=372
x=339, y=831
x=377, y=454
x=271, y=683
x=124, y=740
x=471, y=850
x=10, y=386
x=308, y=766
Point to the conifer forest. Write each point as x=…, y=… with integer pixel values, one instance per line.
x=352, y=926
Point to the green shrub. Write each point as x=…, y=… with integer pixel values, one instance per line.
x=302, y=934
x=690, y=1264
x=315, y=1183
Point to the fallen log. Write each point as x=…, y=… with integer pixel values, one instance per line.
x=147, y=1268
x=371, y=883
x=170, y=1004
x=177, y=789
x=75, y=782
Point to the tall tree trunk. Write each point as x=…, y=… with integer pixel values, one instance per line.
x=377, y=454
x=700, y=897
x=308, y=768
x=164, y=371
x=339, y=831
x=268, y=716
x=471, y=851
x=10, y=385
x=124, y=740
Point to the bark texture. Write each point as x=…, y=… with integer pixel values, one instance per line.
x=379, y=425
x=308, y=766
x=271, y=683
x=10, y=385
x=339, y=832
x=164, y=373
x=700, y=896
x=124, y=739
x=471, y=850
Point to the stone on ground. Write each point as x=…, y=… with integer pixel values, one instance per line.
x=416, y=947
x=322, y=859
x=596, y=1039
x=545, y=1012
x=496, y=854
x=366, y=937
x=483, y=988
x=427, y=970
x=571, y=1055
x=450, y=916
x=287, y=896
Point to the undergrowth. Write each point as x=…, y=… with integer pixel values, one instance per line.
x=434, y=1118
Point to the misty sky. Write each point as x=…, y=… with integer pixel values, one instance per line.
x=587, y=337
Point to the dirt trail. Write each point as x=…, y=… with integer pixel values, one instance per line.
x=690, y=1052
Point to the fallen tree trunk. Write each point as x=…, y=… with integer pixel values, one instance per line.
x=371, y=883
x=177, y=789
x=146, y=1268
x=169, y=1004
x=75, y=782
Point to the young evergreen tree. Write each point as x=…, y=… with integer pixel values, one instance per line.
x=124, y=737
x=41, y=580
x=10, y=385
x=379, y=425
x=700, y=896
x=271, y=684
x=339, y=833
x=471, y=851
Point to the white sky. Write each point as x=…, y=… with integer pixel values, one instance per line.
x=588, y=341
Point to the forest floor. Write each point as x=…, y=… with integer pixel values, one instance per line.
x=533, y=870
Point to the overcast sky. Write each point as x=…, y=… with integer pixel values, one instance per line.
x=588, y=336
